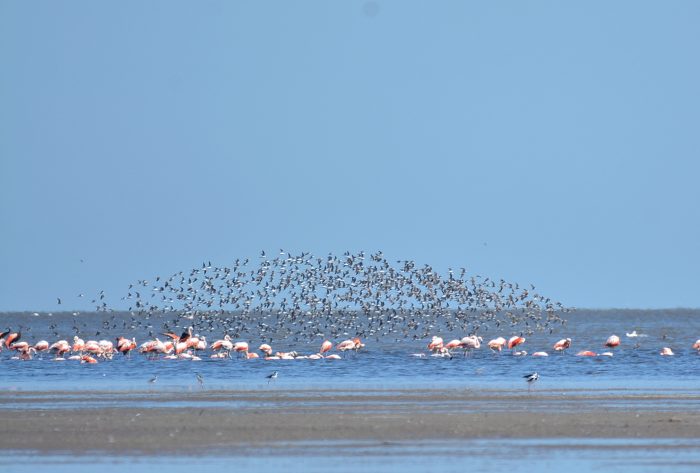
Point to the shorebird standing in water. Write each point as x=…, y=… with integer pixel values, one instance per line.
x=271, y=377
x=531, y=379
x=200, y=380
x=153, y=380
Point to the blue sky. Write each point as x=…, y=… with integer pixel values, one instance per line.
x=554, y=143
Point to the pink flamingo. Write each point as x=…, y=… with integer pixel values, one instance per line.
x=562, y=345
x=515, y=341
x=612, y=341
x=497, y=344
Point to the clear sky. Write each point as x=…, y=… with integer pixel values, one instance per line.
x=546, y=142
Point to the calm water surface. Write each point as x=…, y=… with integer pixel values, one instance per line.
x=385, y=363
x=573, y=455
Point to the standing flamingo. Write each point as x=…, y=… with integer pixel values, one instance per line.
x=241, y=347
x=515, y=341
x=60, y=348
x=497, y=344
x=266, y=350
x=224, y=346
x=124, y=345
x=11, y=338
x=78, y=344
x=345, y=345
x=435, y=344
x=325, y=347
x=470, y=343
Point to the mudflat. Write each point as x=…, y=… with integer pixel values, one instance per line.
x=151, y=423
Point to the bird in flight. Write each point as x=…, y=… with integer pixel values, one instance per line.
x=153, y=380
x=271, y=377
x=200, y=379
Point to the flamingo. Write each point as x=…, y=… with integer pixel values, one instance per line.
x=435, y=344
x=358, y=344
x=92, y=347
x=180, y=347
x=19, y=346
x=181, y=338
x=497, y=344
x=666, y=351
x=612, y=341
x=241, y=347
x=540, y=353
x=562, y=344
x=78, y=344
x=201, y=344
x=60, y=348
x=107, y=348
x=154, y=346
x=11, y=338
x=345, y=345
x=41, y=345
x=192, y=342
x=515, y=341
x=266, y=349
x=24, y=354
x=88, y=359
x=325, y=347
x=696, y=345
x=224, y=345
x=470, y=343
x=586, y=353
x=124, y=345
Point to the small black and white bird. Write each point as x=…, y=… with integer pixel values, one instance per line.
x=271, y=377
x=200, y=379
x=153, y=380
x=531, y=378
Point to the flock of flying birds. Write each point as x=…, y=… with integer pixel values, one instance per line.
x=306, y=297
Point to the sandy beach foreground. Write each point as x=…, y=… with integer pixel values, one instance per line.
x=149, y=423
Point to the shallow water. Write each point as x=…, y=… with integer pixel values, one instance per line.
x=636, y=364
x=635, y=378
x=575, y=455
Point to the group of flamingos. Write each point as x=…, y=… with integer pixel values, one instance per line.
x=438, y=347
x=178, y=347
x=190, y=347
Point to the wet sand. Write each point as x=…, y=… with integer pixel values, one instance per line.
x=147, y=424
